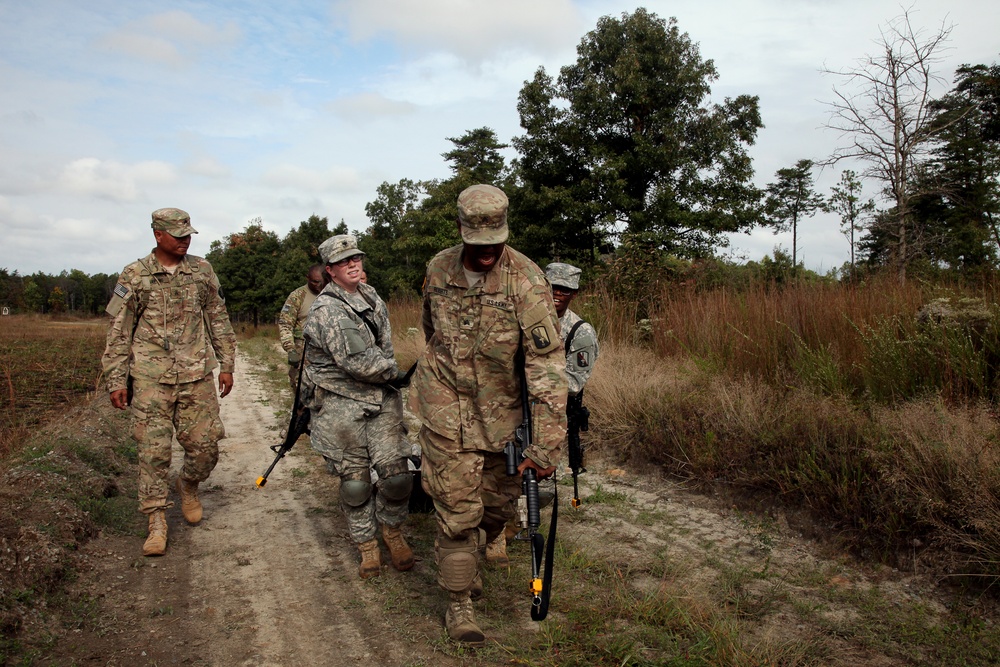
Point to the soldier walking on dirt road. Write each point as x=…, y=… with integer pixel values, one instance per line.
x=351, y=384
x=484, y=305
x=169, y=330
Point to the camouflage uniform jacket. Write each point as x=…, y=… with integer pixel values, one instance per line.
x=344, y=354
x=582, y=351
x=293, y=316
x=183, y=330
x=466, y=386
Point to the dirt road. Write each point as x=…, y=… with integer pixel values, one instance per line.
x=269, y=577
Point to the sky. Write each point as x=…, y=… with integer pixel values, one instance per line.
x=256, y=109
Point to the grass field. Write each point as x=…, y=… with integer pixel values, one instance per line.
x=45, y=365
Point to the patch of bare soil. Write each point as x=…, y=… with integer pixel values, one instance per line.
x=269, y=577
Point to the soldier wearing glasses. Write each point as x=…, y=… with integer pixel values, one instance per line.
x=351, y=385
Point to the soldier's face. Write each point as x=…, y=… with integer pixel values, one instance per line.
x=481, y=258
x=315, y=281
x=347, y=273
x=175, y=247
x=563, y=296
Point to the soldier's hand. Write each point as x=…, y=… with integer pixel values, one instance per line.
x=294, y=357
x=119, y=398
x=542, y=472
x=225, y=384
x=399, y=381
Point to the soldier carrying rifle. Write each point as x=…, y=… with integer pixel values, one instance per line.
x=580, y=344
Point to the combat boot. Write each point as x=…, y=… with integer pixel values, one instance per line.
x=496, y=551
x=371, y=559
x=156, y=543
x=190, y=505
x=460, y=621
x=399, y=550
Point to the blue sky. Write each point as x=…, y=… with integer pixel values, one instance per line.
x=239, y=110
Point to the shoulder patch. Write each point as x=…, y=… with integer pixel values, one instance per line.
x=540, y=337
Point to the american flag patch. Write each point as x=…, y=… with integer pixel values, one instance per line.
x=121, y=290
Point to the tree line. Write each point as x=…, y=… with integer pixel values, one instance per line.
x=627, y=167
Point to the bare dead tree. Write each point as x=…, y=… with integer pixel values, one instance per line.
x=883, y=111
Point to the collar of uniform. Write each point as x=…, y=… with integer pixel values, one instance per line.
x=154, y=264
x=356, y=300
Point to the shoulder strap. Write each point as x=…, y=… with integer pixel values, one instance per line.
x=572, y=332
x=371, y=325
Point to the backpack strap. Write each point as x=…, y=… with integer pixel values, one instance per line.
x=572, y=332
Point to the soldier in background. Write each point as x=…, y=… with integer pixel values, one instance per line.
x=484, y=305
x=580, y=344
x=293, y=316
x=351, y=385
x=169, y=330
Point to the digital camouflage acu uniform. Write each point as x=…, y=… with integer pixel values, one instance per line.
x=583, y=349
x=356, y=418
x=290, y=320
x=466, y=392
x=182, y=334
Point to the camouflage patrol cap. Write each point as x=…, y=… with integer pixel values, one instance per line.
x=173, y=221
x=339, y=247
x=482, y=214
x=564, y=275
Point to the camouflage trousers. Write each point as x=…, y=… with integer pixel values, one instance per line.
x=189, y=411
x=470, y=488
x=355, y=437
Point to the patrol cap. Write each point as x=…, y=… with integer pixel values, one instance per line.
x=564, y=275
x=482, y=215
x=339, y=247
x=173, y=221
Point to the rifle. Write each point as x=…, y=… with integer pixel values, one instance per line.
x=529, y=510
x=298, y=424
x=578, y=419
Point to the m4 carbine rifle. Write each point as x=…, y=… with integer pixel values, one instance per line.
x=578, y=419
x=529, y=508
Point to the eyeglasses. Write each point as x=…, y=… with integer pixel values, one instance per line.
x=562, y=291
x=349, y=260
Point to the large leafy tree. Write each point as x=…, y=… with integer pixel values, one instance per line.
x=965, y=166
x=625, y=140
x=790, y=199
x=245, y=263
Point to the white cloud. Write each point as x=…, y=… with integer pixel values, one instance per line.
x=369, y=105
x=171, y=38
x=311, y=180
x=208, y=167
x=113, y=180
x=470, y=28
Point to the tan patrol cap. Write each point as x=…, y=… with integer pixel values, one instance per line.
x=173, y=221
x=482, y=214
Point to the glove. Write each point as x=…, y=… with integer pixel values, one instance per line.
x=399, y=381
x=294, y=357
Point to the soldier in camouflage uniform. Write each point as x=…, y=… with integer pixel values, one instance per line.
x=579, y=340
x=483, y=302
x=293, y=316
x=169, y=330
x=351, y=385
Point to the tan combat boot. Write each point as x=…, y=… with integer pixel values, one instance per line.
x=371, y=559
x=156, y=543
x=190, y=505
x=496, y=551
x=460, y=621
x=399, y=550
